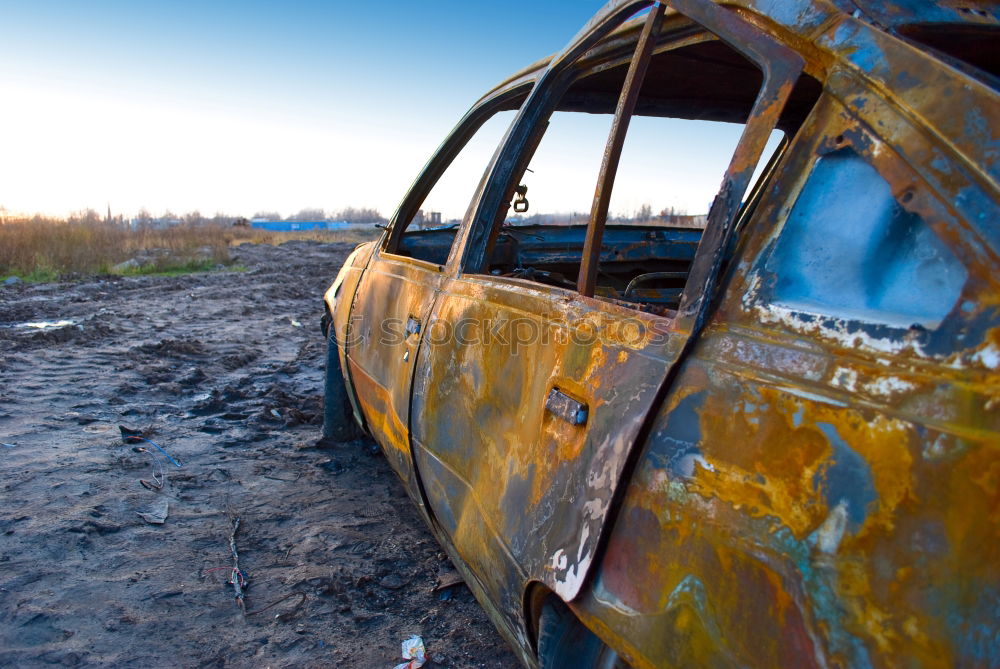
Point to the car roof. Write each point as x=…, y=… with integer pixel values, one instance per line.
x=805, y=17
x=857, y=36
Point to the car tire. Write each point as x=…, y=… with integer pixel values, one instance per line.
x=564, y=642
x=338, y=416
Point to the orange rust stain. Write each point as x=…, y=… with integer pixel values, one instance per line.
x=754, y=473
x=751, y=472
x=376, y=403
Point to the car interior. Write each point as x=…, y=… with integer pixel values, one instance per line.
x=643, y=263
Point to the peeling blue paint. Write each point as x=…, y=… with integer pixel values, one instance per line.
x=802, y=17
x=860, y=49
x=907, y=80
x=819, y=578
x=979, y=641
x=941, y=164
x=979, y=130
x=676, y=445
x=798, y=415
x=848, y=478
x=979, y=209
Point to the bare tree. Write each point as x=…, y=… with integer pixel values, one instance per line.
x=309, y=215
x=143, y=217
x=363, y=215
x=87, y=216
x=222, y=218
x=268, y=215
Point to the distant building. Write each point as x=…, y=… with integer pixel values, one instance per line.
x=292, y=226
x=668, y=217
x=427, y=219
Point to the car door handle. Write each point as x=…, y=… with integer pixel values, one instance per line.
x=563, y=406
x=412, y=326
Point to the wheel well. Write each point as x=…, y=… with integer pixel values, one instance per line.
x=535, y=596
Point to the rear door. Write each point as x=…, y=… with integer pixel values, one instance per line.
x=531, y=390
x=844, y=403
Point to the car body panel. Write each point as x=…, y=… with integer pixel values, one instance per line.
x=830, y=483
x=393, y=301
x=522, y=343
x=760, y=480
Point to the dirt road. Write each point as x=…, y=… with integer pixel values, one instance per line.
x=224, y=372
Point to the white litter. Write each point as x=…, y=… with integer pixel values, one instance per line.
x=45, y=325
x=413, y=650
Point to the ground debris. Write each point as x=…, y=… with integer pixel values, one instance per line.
x=317, y=539
x=157, y=515
x=237, y=578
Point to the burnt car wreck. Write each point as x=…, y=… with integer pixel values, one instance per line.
x=765, y=439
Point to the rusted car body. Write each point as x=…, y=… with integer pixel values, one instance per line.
x=771, y=442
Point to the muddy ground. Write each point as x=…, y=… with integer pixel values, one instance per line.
x=224, y=371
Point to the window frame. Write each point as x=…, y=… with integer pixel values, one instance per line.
x=781, y=68
x=463, y=132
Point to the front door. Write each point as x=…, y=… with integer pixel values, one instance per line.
x=392, y=304
x=395, y=295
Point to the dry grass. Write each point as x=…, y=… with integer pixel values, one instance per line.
x=255, y=236
x=45, y=249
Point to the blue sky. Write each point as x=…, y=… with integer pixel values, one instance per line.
x=244, y=106
x=251, y=106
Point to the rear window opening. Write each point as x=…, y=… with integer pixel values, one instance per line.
x=850, y=250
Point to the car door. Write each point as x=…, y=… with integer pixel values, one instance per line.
x=393, y=299
x=529, y=397
x=397, y=290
